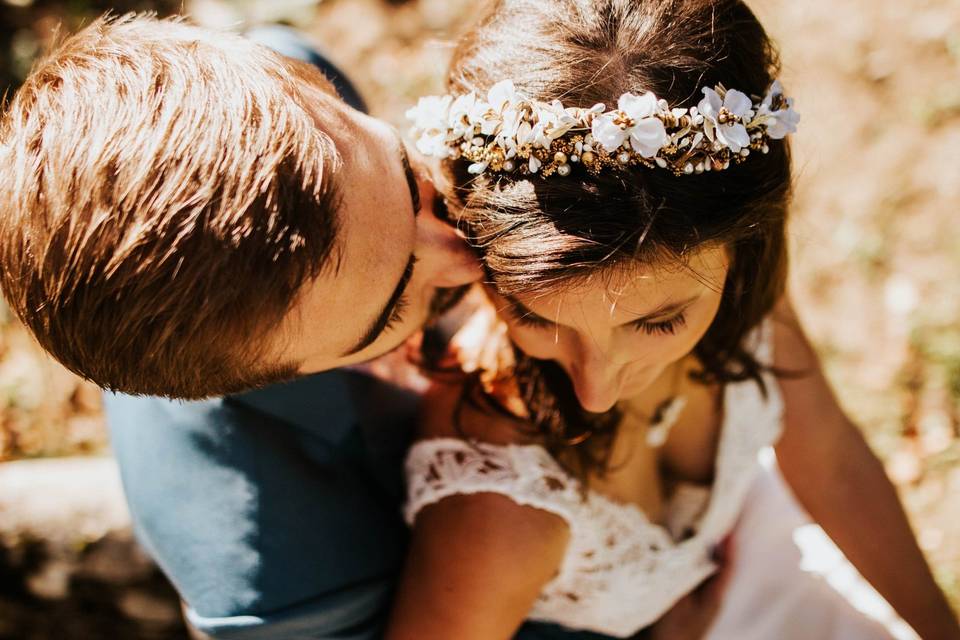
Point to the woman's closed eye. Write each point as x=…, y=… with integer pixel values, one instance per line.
x=531, y=320
x=661, y=327
x=669, y=326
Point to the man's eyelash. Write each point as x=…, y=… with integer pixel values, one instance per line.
x=664, y=327
x=396, y=316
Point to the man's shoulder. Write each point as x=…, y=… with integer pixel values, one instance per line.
x=254, y=503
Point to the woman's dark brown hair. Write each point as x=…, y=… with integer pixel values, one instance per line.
x=535, y=235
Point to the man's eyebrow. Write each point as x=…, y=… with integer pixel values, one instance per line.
x=520, y=310
x=410, y=176
x=378, y=325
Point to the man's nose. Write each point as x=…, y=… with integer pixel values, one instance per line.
x=442, y=251
x=596, y=379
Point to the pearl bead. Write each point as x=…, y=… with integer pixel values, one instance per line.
x=660, y=162
x=699, y=168
x=509, y=165
x=744, y=152
x=478, y=141
x=574, y=158
x=563, y=170
x=688, y=168
x=623, y=157
x=765, y=149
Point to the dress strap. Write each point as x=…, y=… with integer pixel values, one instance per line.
x=442, y=467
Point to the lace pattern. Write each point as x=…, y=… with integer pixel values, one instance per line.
x=621, y=572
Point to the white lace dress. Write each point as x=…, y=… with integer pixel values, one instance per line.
x=621, y=572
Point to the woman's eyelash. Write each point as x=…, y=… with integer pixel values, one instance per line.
x=396, y=316
x=530, y=320
x=664, y=327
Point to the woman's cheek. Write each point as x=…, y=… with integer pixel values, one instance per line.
x=536, y=343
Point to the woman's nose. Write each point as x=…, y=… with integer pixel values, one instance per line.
x=596, y=381
x=443, y=253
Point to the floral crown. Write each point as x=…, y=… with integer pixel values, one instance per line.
x=510, y=133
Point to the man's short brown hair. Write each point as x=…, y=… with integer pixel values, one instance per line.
x=164, y=196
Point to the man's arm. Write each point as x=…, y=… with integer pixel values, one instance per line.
x=843, y=486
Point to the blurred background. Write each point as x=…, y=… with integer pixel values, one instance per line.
x=876, y=277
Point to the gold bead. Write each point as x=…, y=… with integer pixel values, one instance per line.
x=560, y=157
x=587, y=157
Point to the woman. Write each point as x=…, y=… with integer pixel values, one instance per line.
x=622, y=168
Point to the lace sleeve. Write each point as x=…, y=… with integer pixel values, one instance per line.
x=528, y=475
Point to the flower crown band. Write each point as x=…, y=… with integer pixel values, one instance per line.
x=510, y=133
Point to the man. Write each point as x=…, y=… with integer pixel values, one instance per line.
x=190, y=215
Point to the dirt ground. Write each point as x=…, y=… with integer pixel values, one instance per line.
x=876, y=257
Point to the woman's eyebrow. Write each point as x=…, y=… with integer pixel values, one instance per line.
x=520, y=310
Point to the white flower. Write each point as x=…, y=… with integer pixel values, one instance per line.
x=430, y=125
x=732, y=135
x=778, y=122
x=434, y=145
x=521, y=142
x=463, y=114
x=634, y=121
x=639, y=107
x=607, y=132
x=489, y=119
x=510, y=122
x=556, y=121
x=430, y=114
x=503, y=94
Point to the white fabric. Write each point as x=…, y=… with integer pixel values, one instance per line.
x=621, y=572
x=779, y=589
